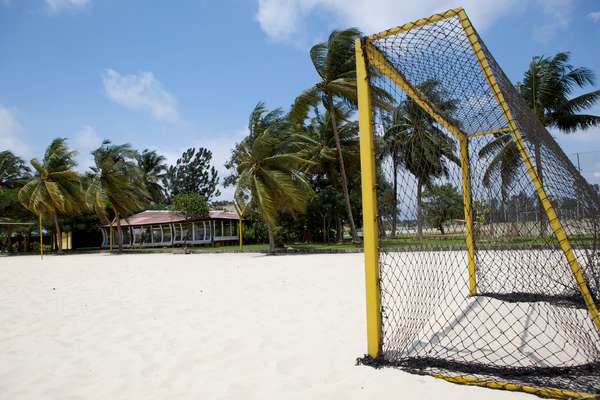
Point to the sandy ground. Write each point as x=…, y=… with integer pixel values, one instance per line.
x=165, y=326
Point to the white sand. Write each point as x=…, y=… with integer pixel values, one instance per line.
x=165, y=326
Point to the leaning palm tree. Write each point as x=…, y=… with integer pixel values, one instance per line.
x=13, y=170
x=419, y=145
x=273, y=175
x=117, y=185
x=316, y=142
x=334, y=61
x=153, y=168
x=55, y=189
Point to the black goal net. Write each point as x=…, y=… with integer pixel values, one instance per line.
x=488, y=235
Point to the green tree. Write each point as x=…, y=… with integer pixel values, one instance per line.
x=418, y=144
x=192, y=206
x=116, y=185
x=442, y=203
x=547, y=87
x=13, y=174
x=272, y=173
x=55, y=188
x=153, y=168
x=260, y=120
x=193, y=173
x=316, y=142
x=334, y=61
x=13, y=170
x=504, y=160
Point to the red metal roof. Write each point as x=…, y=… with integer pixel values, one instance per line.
x=155, y=217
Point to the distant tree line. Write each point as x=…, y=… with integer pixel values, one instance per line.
x=298, y=170
x=121, y=182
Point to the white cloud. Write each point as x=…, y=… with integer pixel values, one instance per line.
x=11, y=133
x=280, y=19
x=84, y=141
x=556, y=18
x=595, y=16
x=58, y=6
x=283, y=19
x=141, y=92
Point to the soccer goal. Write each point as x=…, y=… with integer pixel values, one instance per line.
x=481, y=237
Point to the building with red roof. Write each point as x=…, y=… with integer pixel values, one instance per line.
x=162, y=228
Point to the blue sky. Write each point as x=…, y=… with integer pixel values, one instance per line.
x=168, y=75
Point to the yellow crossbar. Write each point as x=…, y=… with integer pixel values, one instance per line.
x=415, y=24
x=379, y=61
x=490, y=132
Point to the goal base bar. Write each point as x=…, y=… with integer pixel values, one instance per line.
x=513, y=387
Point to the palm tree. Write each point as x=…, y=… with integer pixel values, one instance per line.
x=271, y=173
x=55, y=189
x=334, y=61
x=504, y=162
x=316, y=142
x=117, y=185
x=419, y=145
x=13, y=170
x=546, y=87
x=153, y=168
x=391, y=146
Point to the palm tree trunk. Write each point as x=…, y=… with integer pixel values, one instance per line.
x=120, y=233
x=342, y=169
x=381, y=226
x=58, y=233
x=395, y=199
x=271, y=237
x=539, y=171
x=419, y=209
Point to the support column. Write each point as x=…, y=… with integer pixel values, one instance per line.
x=466, y=186
x=369, y=204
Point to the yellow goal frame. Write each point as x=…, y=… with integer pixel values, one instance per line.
x=366, y=52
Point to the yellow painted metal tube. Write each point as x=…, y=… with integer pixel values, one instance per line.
x=539, y=391
x=490, y=132
x=466, y=186
x=557, y=228
x=41, y=239
x=369, y=204
x=379, y=61
x=415, y=24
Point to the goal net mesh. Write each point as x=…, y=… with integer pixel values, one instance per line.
x=526, y=322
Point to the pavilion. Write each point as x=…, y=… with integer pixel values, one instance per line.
x=163, y=228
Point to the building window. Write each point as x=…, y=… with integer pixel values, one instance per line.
x=126, y=236
x=137, y=235
x=177, y=232
x=156, y=234
x=166, y=230
x=199, y=231
x=147, y=234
